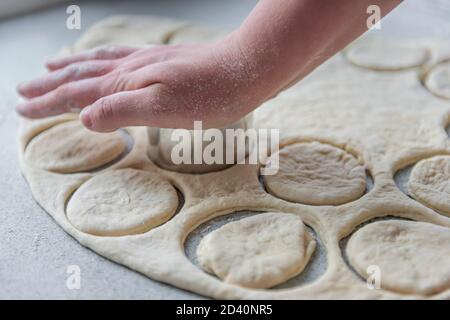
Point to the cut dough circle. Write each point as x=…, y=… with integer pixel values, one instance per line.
x=257, y=252
x=385, y=55
x=317, y=174
x=196, y=34
x=70, y=147
x=412, y=256
x=122, y=202
x=429, y=183
x=438, y=80
x=127, y=30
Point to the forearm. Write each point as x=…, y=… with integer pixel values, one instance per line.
x=285, y=40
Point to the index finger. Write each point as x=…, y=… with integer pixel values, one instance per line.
x=102, y=53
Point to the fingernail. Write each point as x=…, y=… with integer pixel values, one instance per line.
x=86, y=117
x=21, y=87
x=20, y=108
x=49, y=59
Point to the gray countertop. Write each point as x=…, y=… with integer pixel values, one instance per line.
x=34, y=251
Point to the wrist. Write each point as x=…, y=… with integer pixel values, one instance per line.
x=256, y=69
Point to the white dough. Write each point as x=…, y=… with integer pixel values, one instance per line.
x=382, y=55
x=257, y=252
x=438, y=80
x=430, y=183
x=122, y=202
x=129, y=31
x=317, y=174
x=388, y=119
x=70, y=147
x=196, y=34
x=413, y=257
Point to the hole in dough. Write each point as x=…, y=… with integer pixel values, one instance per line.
x=122, y=202
x=314, y=269
x=386, y=55
x=317, y=174
x=429, y=183
x=437, y=80
x=70, y=147
x=401, y=178
x=410, y=260
x=260, y=251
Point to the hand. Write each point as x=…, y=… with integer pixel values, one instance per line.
x=158, y=86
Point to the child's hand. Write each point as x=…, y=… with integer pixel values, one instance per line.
x=162, y=86
x=278, y=44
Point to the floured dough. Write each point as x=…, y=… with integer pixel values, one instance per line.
x=383, y=55
x=430, y=183
x=438, y=80
x=122, y=202
x=318, y=174
x=413, y=257
x=388, y=119
x=196, y=34
x=70, y=147
x=126, y=30
x=257, y=252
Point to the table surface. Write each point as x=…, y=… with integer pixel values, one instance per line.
x=34, y=251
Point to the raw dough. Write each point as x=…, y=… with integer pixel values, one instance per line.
x=70, y=147
x=196, y=34
x=122, y=202
x=413, y=257
x=127, y=30
x=257, y=252
x=318, y=174
x=388, y=118
x=430, y=183
x=383, y=55
x=438, y=80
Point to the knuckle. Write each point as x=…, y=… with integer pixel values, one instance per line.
x=108, y=51
x=104, y=111
x=104, y=52
x=72, y=70
x=62, y=93
x=121, y=81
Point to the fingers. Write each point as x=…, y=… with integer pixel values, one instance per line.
x=73, y=72
x=102, y=53
x=129, y=108
x=80, y=93
x=73, y=95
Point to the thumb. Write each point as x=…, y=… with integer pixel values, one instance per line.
x=126, y=108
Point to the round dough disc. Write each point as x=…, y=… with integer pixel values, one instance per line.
x=317, y=174
x=412, y=256
x=257, y=252
x=438, y=80
x=384, y=55
x=430, y=183
x=122, y=202
x=70, y=147
x=127, y=30
x=196, y=34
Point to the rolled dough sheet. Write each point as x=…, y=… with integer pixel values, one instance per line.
x=385, y=120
